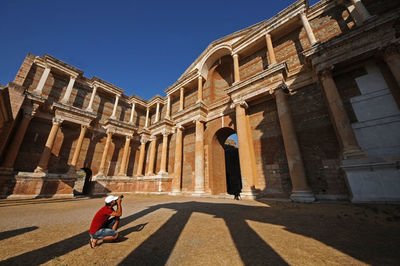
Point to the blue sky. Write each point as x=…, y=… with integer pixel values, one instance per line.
x=140, y=46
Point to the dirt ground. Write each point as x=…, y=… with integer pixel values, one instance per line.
x=159, y=230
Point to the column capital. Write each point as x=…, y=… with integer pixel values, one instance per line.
x=241, y=102
x=390, y=50
x=165, y=132
x=235, y=55
x=199, y=119
x=29, y=111
x=283, y=86
x=152, y=137
x=180, y=127
x=110, y=131
x=57, y=120
x=143, y=139
x=326, y=73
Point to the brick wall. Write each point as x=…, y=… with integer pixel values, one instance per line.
x=188, y=159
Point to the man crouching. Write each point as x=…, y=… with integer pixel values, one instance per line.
x=103, y=228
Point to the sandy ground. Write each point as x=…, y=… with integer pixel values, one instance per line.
x=159, y=230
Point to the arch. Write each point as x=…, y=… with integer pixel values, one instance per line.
x=213, y=55
x=215, y=137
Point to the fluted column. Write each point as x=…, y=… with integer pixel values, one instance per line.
x=132, y=113
x=78, y=148
x=168, y=114
x=199, y=157
x=270, y=48
x=143, y=141
x=339, y=116
x=146, y=122
x=11, y=155
x=182, y=98
x=44, y=159
x=68, y=91
x=153, y=143
x=307, y=27
x=102, y=167
x=300, y=190
x=115, y=107
x=361, y=10
x=122, y=169
x=199, y=88
x=391, y=56
x=42, y=81
x=163, y=166
x=177, y=181
x=89, y=108
x=236, y=73
x=243, y=135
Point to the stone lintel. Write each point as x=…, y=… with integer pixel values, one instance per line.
x=186, y=115
x=73, y=114
x=279, y=71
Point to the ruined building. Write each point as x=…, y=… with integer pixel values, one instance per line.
x=312, y=93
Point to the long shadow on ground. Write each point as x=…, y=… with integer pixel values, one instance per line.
x=369, y=242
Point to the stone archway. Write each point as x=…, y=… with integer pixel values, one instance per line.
x=216, y=160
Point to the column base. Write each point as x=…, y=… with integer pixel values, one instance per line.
x=198, y=193
x=305, y=196
x=175, y=192
x=248, y=195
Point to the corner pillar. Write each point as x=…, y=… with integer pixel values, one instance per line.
x=89, y=108
x=113, y=115
x=236, y=73
x=68, y=91
x=270, y=48
x=307, y=27
x=42, y=81
x=200, y=88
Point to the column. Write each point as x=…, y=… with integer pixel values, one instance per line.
x=199, y=157
x=153, y=143
x=132, y=113
x=102, y=167
x=270, y=48
x=68, y=91
x=361, y=10
x=244, y=149
x=339, y=117
x=182, y=98
x=143, y=141
x=307, y=27
x=177, y=181
x=115, y=107
x=89, y=108
x=122, y=169
x=236, y=68
x=163, y=166
x=301, y=192
x=157, y=113
x=200, y=89
x=146, y=122
x=44, y=159
x=11, y=155
x=78, y=148
x=168, y=114
x=392, y=58
x=42, y=81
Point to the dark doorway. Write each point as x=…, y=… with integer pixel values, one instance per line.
x=85, y=175
x=88, y=178
x=232, y=166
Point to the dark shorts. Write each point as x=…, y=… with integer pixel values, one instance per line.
x=105, y=230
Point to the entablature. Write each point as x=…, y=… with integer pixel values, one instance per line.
x=119, y=127
x=73, y=114
x=107, y=87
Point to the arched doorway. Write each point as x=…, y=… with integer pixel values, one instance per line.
x=224, y=166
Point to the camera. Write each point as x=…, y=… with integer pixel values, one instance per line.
x=122, y=196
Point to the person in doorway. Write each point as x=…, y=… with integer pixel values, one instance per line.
x=103, y=227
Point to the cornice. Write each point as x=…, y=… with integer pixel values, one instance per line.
x=105, y=86
x=190, y=77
